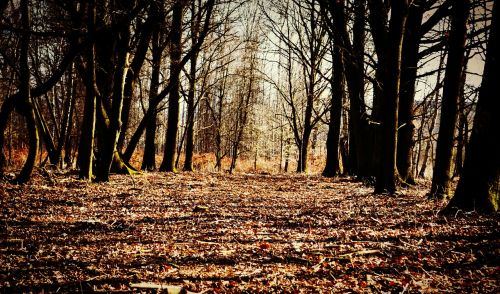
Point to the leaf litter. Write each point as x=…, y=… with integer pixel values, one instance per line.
x=217, y=233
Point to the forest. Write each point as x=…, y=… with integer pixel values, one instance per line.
x=221, y=146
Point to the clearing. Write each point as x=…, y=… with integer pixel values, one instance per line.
x=238, y=233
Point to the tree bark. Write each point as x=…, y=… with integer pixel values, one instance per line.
x=67, y=114
x=409, y=64
x=148, y=159
x=332, y=167
x=359, y=138
x=136, y=65
x=479, y=186
x=387, y=175
x=24, y=106
x=119, y=79
x=168, y=163
x=86, y=147
x=451, y=90
x=195, y=27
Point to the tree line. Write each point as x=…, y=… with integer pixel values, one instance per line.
x=387, y=87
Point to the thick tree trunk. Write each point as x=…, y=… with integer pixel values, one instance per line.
x=409, y=65
x=359, y=140
x=168, y=163
x=451, y=90
x=332, y=167
x=387, y=175
x=360, y=153
x=113, y=132
x=479, y=186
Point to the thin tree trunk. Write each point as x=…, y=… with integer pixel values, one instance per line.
x=68, y=105
x=195, y=27
x=85, y=151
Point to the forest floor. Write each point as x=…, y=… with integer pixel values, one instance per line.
x=209, y=232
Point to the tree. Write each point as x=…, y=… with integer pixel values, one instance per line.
x=336, y=20
x=387, y=171
x=332, y=166
x=86, y=149
x=305, y=48
x=479, y=186
x=24, y=106
x=17, y=101
x=195, y=28
x=21, y=101
x=168, y=163
x=415, y=32
x=153, y=103
x=451, y=91
x=158, y=45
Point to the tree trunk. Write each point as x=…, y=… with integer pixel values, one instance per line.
x=67, y=113
x=387, y=172
x=195, y=27
x=359, y=139
x=409, y=65
x=24, y=106
x=46, y=134
x=168, y=163
x=148, y=159
x=306, y=135
x=85, y=151
x=332, y=166
x=119, y=79
x=136, y=65
x=479, y=186
x=451, y=90
x=463, y=128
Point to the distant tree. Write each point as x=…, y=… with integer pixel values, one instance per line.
x=479, y=185
x=304, y=43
